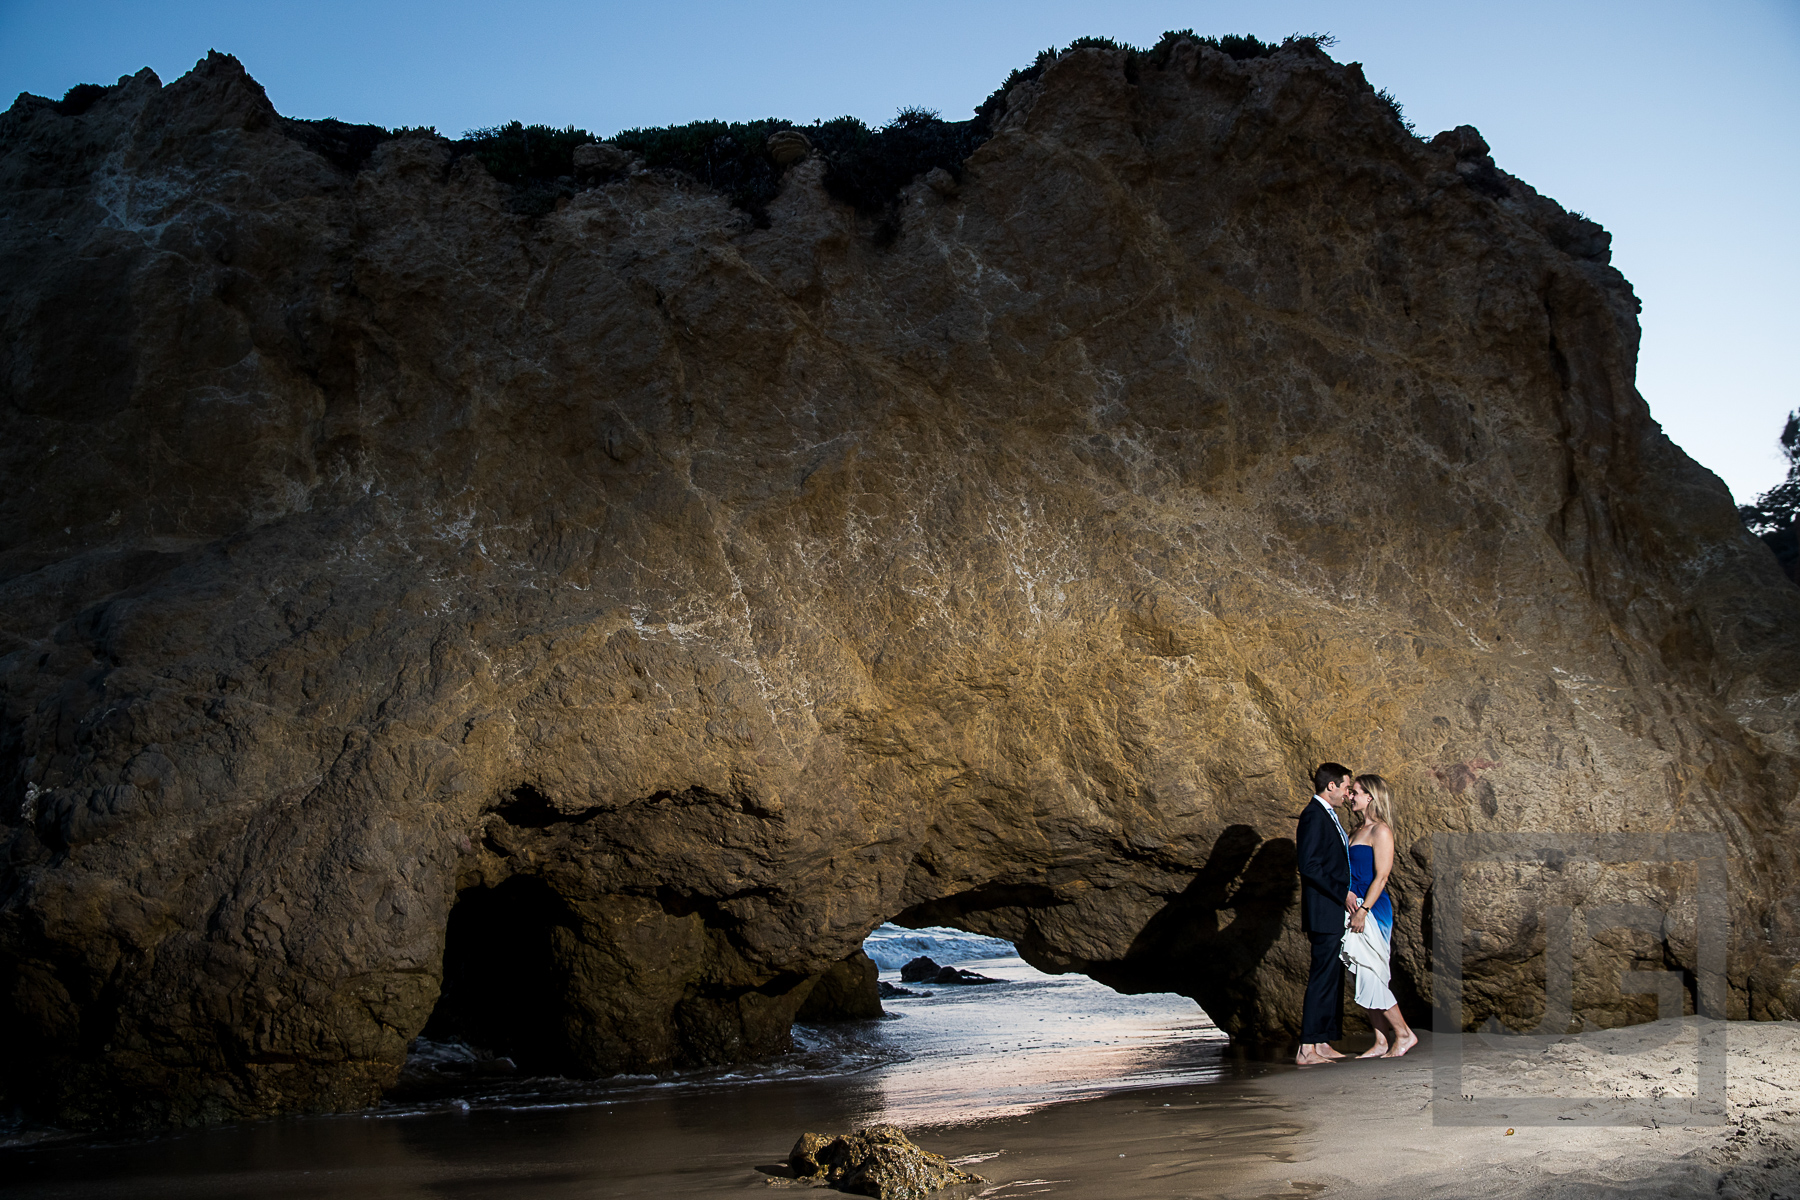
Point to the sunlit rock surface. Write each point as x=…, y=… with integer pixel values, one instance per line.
x=689, y=598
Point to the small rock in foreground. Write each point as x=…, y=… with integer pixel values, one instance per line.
x=878, y=1161
x=888, y=991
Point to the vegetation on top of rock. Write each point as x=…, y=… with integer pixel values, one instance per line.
x=728, y=157
x=865, y=167
x=516, y=154
x=347, y=146
x=1773, y=516
x=80, y=98
x=1392, y=103
x=537, y=161
x=1233, y=45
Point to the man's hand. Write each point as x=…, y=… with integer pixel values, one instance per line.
x=1352, y=902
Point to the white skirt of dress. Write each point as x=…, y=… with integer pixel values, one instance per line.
x=1366, y=956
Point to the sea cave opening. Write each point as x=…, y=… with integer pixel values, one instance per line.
x=503, y=996
x=974, y=1030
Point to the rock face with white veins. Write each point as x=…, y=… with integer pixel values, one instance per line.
x=639, y=606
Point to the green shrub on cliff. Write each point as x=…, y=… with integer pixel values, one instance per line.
x=1393, y=105
x=346, y=145
x=864, y=167
x=515, y=153
x=868, y=167
x=1233, y=45
x=1773, y=516
x=537, y=160
x=729, y=157
x=80, y=98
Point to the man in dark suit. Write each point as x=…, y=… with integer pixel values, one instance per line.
x=1322, y=850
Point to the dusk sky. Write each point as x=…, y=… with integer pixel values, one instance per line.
x=1672, y=124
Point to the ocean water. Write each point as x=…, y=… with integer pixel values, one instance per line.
x=893, y=947
x=947, y=1053
x=947, y=1056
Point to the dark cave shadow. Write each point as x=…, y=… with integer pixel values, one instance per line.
x=1208, y=941
x=502, y=990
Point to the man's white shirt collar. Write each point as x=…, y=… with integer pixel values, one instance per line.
x=1335, y=821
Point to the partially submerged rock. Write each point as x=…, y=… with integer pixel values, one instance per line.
x=958, y=975
x=877, y=1161
x=849, y=991
x=924, y=969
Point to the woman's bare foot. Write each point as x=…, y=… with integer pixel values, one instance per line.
x=1378, y=1050
x=1407, y=1041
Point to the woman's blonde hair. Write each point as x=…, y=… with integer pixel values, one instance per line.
x=1381, y=799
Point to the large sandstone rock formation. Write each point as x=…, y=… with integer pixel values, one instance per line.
x=648, y=604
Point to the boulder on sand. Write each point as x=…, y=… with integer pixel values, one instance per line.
x=877, y=1161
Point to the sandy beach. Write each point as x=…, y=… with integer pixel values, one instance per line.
x=1366, y=1129
x=1244, y=1128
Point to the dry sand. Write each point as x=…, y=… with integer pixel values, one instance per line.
x=1366, y=1129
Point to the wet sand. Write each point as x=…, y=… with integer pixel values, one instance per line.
x=952, y=1061
x=1245, y=1128
x=708, y=1145
x=1366, y=1130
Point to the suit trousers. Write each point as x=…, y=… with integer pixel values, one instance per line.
x=1322, y=1018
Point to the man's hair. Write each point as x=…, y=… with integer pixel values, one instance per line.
x=1328, y=774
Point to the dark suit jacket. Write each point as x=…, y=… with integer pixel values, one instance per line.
x=1324, y=870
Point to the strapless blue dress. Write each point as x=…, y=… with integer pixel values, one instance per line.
x=1362, y=876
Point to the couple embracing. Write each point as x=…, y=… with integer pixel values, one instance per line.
x=1347, y=913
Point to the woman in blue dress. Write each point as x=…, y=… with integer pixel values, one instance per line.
x=1368, y=938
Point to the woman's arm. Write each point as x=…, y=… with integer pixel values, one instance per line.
x=1383, y=845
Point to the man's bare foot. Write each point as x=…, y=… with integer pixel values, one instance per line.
x=1325, y=1051
x=1407, y=1041
x=1378, y=1050
x=1308, y=1057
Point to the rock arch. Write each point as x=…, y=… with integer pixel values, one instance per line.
x=1022, y=566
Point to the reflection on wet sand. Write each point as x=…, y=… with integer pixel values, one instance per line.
x=972, y=1053
x=985, y=1071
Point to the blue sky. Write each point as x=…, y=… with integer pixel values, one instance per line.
x=1675, y=125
